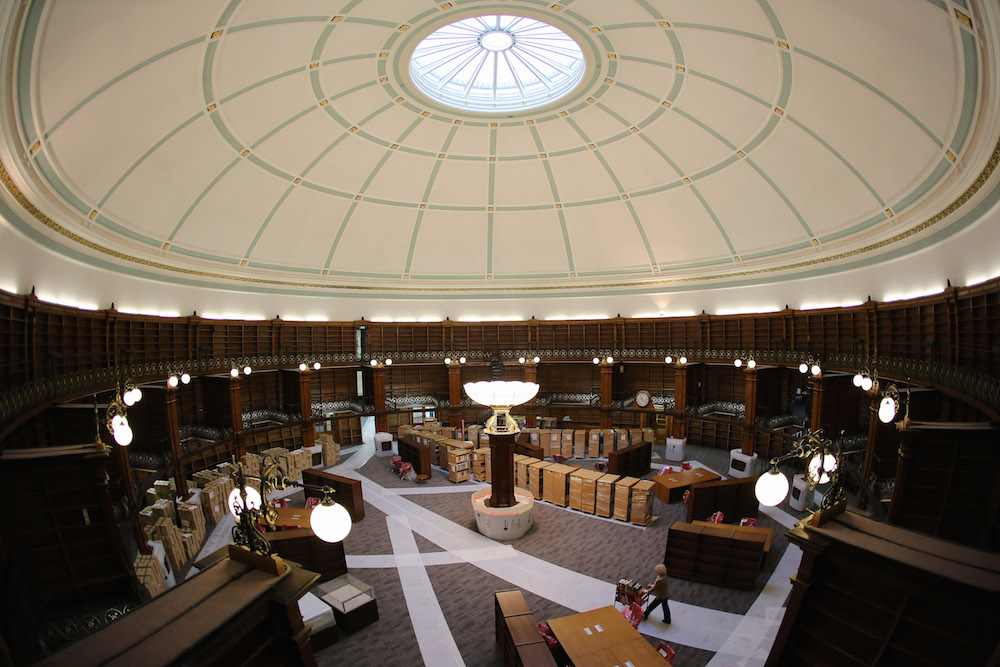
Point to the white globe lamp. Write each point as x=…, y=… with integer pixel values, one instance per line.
x=887, y=410
x=330, y=521
x=771, y=487
x=235, y=501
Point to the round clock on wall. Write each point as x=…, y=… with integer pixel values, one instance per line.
x=643, y=399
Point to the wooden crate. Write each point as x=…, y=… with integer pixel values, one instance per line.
x=580, y=444
x=621, y=438
x=555, y=487
x=521, y=464
x=567, y=443
x=642, y=503
x=623, y=497
x=605, y=494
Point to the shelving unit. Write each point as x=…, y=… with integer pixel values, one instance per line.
x=459, y=454
x=715, y=554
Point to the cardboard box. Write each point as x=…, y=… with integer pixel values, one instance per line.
x=521, y=464
x=536, y=478
x=649, y=435
x=623, y=497
x=581, y=489
x=607, y=441
x=621, y=438
x=533, y=436
x=480, y=463
x=635, y=436
x=605, y=494
x=580, y=444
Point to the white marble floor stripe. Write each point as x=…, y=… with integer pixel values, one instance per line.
x=751, y=641
x=694, y=626
x=434, y=638
x=779, y=515
x=431, y=490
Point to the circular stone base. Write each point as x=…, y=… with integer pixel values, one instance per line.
x=503, y=523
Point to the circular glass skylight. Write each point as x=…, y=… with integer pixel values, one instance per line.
x=497, y=63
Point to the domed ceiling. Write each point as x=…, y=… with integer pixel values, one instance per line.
x=285, y=145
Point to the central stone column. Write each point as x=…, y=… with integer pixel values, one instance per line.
x=502, y=470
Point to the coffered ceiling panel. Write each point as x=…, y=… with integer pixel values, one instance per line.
x=284, y=144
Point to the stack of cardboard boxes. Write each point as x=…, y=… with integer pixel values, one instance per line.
x=642, y=502
x=251, y=464
x=192, y=526
x=150, y=574
x=459, y=459
x=604, y=494
x=215, y=497
x=480, y=464
x=331, y=449
x=165, y=531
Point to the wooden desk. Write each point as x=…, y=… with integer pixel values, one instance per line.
x=295, y=517
x=615, y=642
x=759, y=530
x=671, y=486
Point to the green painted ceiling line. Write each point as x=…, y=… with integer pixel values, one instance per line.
x=632, y=24
x=278, y=128
x=611, y=172
x=145, y=155
x=449, y=138
x=24, y=53
x=772, y=18
x=430, y=180
x=697, y=121
x=659, y=151
x=492, y=183
x=493, y=141
x=197, y=200
x=227, y=13
x=718, y=166
x=786, y=79
x=840, y=157
x=206, y=72
x=323, y=152
x=44, y=166
x=728, y=31
x=489, y=242
x=726, y=84
x=538, y=140
x=648, y=61
x=423, y=15
x=715, y=218
x=566, y=243
x=579, y=130
x=675, y=43
x=971, y=82
x=267, y=220
x=934, y=177
x=551, y=179
x=603, y=107
x=345, y=93
x=653, y=11
x=181, y=250
x=225, y=133
x=100, y=89
x=280, y=21
x=875, y=89
x=256, y=84
x=320, y=41
x=345, y=59
x=413, y=240
x=407, y=131
x=378, y=165
x=340, y=233
x=349, y=6
x=253, y=158
x=373, y=114
x=642, y=232
x=638, y=91
x=675, y=90
x=784, y=198
x=379, y=22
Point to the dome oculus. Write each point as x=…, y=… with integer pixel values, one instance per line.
x=497, y=63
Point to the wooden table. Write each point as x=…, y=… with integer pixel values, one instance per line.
x=296, y=517
x=611, y=640
x=671, y=486
x=760, y=530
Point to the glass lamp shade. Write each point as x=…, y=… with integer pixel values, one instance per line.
x=461, y=360
x=751, y=364
x=247, y=370
x=537, y=359
x=867, y=384
x=373, y=362
x=682, y=360
x=447, y=360
x=829, y=465
x=234, y=372
x=122, y=433
x=128, y=398
x=803, y=368
x=738, y=363
x=857, y=380
x=771, y=488
x=185, y=378
x=596, y=361
x=500, y=393
x=236, y=500
x=887, y=410
x=521, y=360
x=303, y=366
x=610, y=360
x=669, y=360
x=117, y=421
x=172, y=381
x=816, y=370
x=317, y=366
x=388, y=362
x=331, y=523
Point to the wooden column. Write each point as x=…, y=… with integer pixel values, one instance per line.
x=236, y=415
x=750, y=415
x=455, y=395
x=680, y=401
x=305, y=407
x=817, y=404
x=378, y=395
x=606, y=378
x=870, y=447
x=502, y=470
x=173, y=432
x=531, y=375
